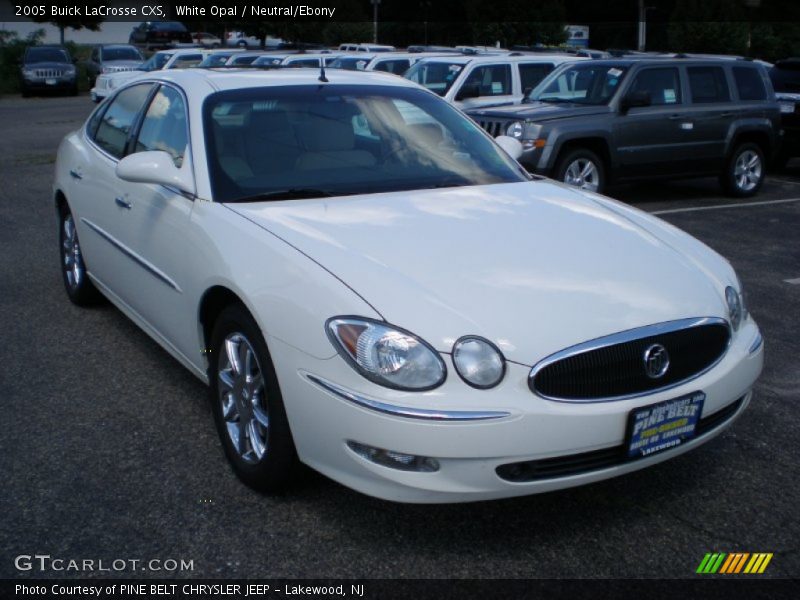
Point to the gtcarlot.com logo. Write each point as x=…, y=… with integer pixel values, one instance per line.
x=734, y=563
x=45, y=562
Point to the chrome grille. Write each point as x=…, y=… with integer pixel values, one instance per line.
x=613, y=367
x=119, y=69
x=49, y=73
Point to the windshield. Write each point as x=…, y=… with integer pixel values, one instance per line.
x=155, y=62
x=583, y=83
x=37, y=55
x=436, y=76
x=215, y=60
x=334, y=140
x=268, y=60
x=129, y=53
x=351, y=63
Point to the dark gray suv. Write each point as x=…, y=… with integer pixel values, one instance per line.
x=598, y=122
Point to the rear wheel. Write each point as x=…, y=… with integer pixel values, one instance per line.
x=247, y=403
x=744, y=172
x=80, y=289
x=583, y=169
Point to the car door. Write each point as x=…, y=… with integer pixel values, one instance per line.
x=486, y=85
x=155, y=227
x=95, y=192
x=651, y=140
x=712, y=112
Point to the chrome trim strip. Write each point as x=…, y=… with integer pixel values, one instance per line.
x=628, y=336
x=405, y=411
x=757, y=343
x=152, y=269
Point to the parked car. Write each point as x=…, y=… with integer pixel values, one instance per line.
x=47, y=68
x=112, y=58
x=365, y=48
x=218, y=58
x=605, y=121
x=238, y=39
x=163, y=59
x=297, y=59
x=785, y=77
x=160, y=34
x=243, y=59
x=484, y=80
x=206, y=40
x=395, y=303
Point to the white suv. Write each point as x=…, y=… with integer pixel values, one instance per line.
x=486, y=80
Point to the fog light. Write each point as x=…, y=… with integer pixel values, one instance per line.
x=394, y=460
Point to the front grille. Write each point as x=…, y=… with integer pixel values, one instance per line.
x=614, y=367
x=576, y=464
x=119, y=69
x=493, y=128
x=52, y=73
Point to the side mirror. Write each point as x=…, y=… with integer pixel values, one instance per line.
x=468, y=90
x=156, y=166
x=634, y=99
x=511, y=145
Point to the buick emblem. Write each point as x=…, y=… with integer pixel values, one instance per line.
x=656, y=361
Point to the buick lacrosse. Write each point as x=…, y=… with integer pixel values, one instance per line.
x=371, y=285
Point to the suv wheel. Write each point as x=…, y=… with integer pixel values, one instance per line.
x=247, y=404
x=583, y=169
x=744, y=172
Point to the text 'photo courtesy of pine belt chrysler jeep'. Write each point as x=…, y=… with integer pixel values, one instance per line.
x=370, y=285
x=600, y=122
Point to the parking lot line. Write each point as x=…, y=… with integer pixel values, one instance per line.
x=723, y=206
x=792, y=281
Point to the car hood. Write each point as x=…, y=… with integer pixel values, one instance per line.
x=539, y=111
x=122, y=63
x=47, y=65
x=534, y=267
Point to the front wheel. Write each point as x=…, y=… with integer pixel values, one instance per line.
x=744, y=172
x=247, y=404
x=583, y=169
x=80, y=289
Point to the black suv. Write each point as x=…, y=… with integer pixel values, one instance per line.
x=152, y=35
x=47, y=68
x=597, y=122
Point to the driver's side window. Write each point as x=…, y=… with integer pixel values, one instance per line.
x=662, y=85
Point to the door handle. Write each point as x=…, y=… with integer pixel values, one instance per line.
x=75, y=174
x=121, y=202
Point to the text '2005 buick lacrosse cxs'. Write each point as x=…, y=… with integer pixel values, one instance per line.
x=371, y=285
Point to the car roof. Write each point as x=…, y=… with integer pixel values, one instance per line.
x=200, y=80
x=492, y=58
x=672, y=60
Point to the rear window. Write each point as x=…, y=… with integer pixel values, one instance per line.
x=708, y=85
x=749, y=84
x=397, y=66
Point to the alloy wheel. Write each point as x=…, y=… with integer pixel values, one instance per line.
x=582, y=173
x=74, y=270
x=747, y=170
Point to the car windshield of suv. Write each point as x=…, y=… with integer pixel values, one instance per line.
x=215, y=60
x=351, y=63
x=436, y=76
x=40, y=55
x=584, y=83
x=292, y=142
x=155, y=62
x=121, y=54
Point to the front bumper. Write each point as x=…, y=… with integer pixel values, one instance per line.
x=469, y=451
x=55, y=83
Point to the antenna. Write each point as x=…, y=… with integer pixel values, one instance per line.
x=322, y=77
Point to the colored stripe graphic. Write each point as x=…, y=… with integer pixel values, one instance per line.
x=734, y=563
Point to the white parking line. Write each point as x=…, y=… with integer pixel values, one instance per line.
x=723, y=206
x=778, y=179
x=792, y=281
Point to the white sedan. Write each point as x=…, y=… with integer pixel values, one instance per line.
x=372, y=286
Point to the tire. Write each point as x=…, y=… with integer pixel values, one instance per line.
x=744, y=172
x=247, y=403
x=79, y=287
x=582, y=168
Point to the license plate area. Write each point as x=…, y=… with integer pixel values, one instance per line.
x=50, y=81
x=658, y=427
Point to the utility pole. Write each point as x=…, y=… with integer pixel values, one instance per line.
x=642, y=27
x=375, y=4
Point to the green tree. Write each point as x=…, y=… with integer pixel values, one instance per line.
x=74, y=23
x=695, y=27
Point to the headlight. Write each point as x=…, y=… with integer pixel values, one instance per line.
x=479, y=362
x=28, y=72
x=387, y=355
x=515, y=130
x=110, y=84
x=736, y=310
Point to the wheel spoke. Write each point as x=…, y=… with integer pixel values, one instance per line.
x=242, y=447
x=587, y=170
x=261, y=416
x=245, y=358
x=229, y=412
x=232, y=352
x=256, y=443
x=226, y=380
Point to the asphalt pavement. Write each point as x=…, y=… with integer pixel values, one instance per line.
x=108, y=449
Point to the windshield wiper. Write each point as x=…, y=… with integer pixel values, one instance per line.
x=288, y=194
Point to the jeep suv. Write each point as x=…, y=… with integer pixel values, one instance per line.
x=606, y=121
x=46, y=68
